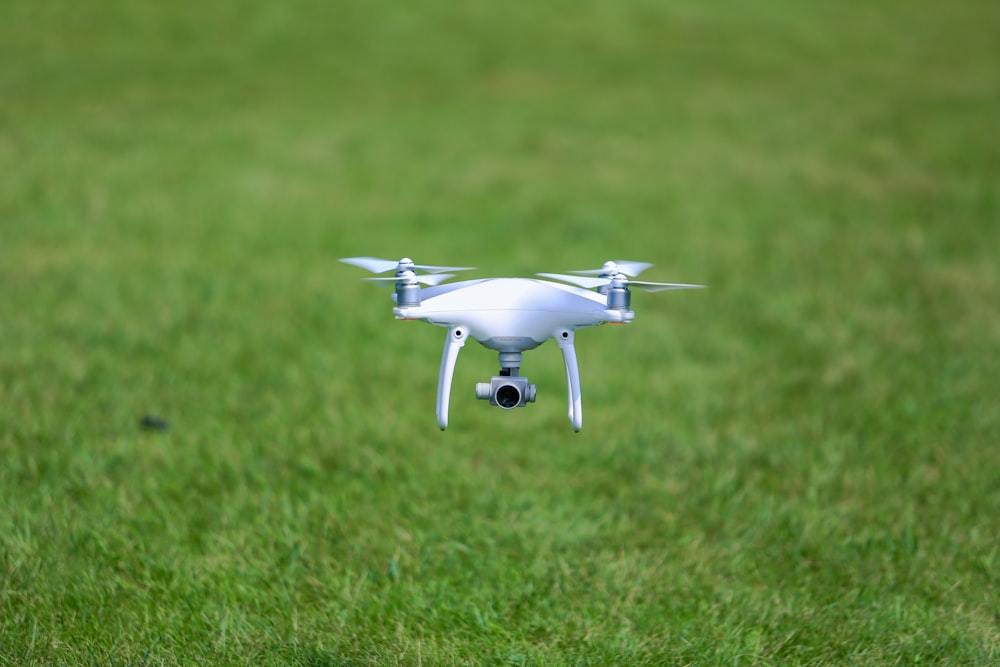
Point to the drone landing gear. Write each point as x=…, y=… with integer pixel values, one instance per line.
x=452, y=344
x=564, y=338
x=509, y=389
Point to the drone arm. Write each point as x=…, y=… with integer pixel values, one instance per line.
x=564, y=337
x=452, y=344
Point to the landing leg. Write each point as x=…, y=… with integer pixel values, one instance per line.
x=564, y=337
x=452, y=344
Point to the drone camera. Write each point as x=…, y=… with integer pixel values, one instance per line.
x=506, y=391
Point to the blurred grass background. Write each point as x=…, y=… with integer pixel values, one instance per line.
x=797, y=466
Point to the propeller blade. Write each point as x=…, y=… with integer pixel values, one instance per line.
x=582, y=281
x=628, y=267
x=373, y=264
x=660, y=287
x=435, y=278
x=588, y=282
x=440, y=269
x=377, y=265
x=432, y=279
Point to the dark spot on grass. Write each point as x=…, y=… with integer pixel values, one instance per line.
x=154, y=423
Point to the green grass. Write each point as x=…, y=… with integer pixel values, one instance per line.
x=796, y=466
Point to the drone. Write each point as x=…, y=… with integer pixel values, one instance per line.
x=511, y=316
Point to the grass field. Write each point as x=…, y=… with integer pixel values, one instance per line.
x=797, y=466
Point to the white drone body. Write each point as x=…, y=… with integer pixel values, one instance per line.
x=512, y=315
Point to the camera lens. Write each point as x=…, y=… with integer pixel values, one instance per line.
x=508, y=396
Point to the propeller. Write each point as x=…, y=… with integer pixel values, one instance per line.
x=660, y=287
x=409, y=277
x=621, y=278
x=376, y=265
x=614, y=267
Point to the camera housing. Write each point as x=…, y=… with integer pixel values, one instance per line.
x=506, y=391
